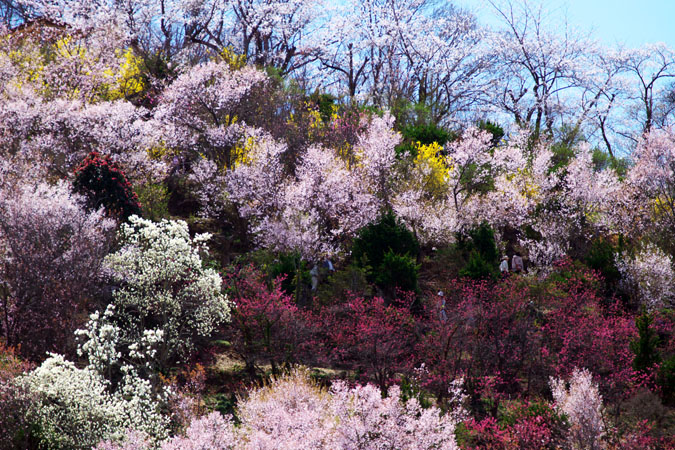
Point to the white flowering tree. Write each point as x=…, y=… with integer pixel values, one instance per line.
x=76, y=408
x=165, y=299
x=649, y=276
x=582, y=404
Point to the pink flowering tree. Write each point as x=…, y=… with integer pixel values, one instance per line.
x=645, y=205
x=369, y=336
x=266, y=325
x=196, y=112
x=328, y=199
x=51, y=251
x=293, y=412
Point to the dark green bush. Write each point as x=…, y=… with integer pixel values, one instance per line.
x=340, y=285
x=604, y=161
x=666, y=381
x=495, y=130
x=397, y=270
x=376, y=239
x=481, y=253
x=294, y=270
x=425, y=134
x=601, y=257
x=388, y=252
x=645, y=347
x=477, y=268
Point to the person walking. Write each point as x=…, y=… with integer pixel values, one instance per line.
x=504, y=266
x=442, y=315
x=517, y=263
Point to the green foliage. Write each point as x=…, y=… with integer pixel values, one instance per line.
x=563, y=154
x=477, y=268
x=645, y=347
x=339, y=285
x=325, y=103
x=604, y=161
x=482, y=254
x=154, y=200
x=388, y=251
x=666, y=381
x=602, y=257
x=295, y=271
x=397, y=270
x=376, y=239
x=495, y=130
x=425, y=134
x=410, y=388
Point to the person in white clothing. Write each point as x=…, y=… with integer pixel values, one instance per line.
x=504, y=266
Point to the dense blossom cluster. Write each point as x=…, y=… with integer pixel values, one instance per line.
x=163, y=288
x=331, y=155
x=75, y=408
x=583, y=406
x=651, y=277
x=292, y=412
x=52, y=250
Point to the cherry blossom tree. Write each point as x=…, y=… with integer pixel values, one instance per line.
x=649, y=276
x=582, y=404
x=197, y=111
x=544, y=77
x=326, y=202
x=292, y=412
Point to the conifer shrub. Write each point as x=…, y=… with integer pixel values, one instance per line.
x=483, y=256
x=388, y=251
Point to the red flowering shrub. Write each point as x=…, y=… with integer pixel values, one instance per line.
x=368, y=336
x=521, y=425
x=104, y=184
x=266, y=324
x=524, y=332
x=490, y=330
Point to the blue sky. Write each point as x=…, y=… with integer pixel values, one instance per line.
x=631, y=22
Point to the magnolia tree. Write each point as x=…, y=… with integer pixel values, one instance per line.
x=574, y=206
x=545, y=79
x=437, y=215
x=164, y=295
